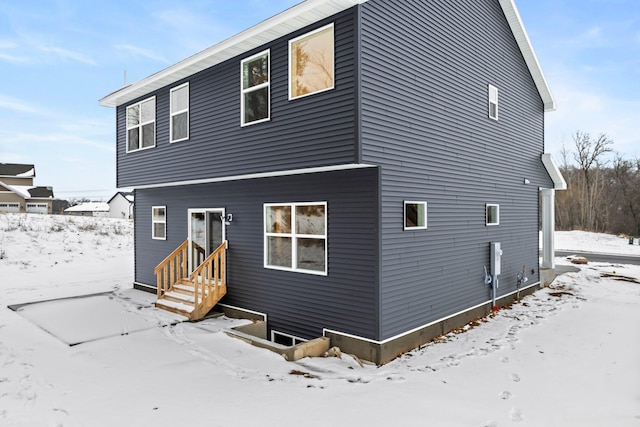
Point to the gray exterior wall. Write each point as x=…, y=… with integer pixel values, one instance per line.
x=317, y=130
x=425, y=68
x=296, y=303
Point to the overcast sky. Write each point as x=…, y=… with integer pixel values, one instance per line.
x=59, y=57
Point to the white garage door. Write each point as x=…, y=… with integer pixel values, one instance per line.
x=40, y=208
x=9, y=207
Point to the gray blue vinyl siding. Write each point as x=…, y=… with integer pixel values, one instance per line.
x=313, y=131
x=425, y=68
x=296, y=303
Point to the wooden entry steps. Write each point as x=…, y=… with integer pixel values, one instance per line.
x=193, y=296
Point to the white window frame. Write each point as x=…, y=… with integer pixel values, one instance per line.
x=493, y=100
x=310, y=34
x=295, y=340
x=244, y=91
x=404, y=218
x=486, y=214
x=294, y=236
x=154, y=222
x=176, y=113
x=141, y=124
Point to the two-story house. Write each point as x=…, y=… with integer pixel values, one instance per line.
x=17, y=192
x=359, y=157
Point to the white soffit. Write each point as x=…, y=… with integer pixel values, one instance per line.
x=292, y=19
x=554, y=172
x=517, y=28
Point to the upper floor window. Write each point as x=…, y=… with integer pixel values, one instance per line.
x=141, y=125
x=492, y=214
x=256, y=97
x=312, y=62
x=493, y=102
x=179, y=113
x=296, y=237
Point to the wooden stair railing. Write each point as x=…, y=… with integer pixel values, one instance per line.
x=173, y=268
x=191, y=295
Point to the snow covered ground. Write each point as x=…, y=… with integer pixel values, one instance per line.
x=566, y=356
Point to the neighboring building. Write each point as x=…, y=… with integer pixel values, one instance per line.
x=360, y=158
x=17, y=192
x=121, y=205
x=97, y=209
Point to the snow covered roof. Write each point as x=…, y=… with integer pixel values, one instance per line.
x=128, y=195
x=293, y=19
x=89, y=207
x=29, y=191
x=17, y=170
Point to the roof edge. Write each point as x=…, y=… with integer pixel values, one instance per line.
x=554, y=172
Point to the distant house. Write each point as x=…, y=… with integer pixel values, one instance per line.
x=362, y=170
x=17, y=192
x=121, y=205
x=97, y=209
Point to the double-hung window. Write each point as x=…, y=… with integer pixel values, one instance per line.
x=256, y=90
x=493, y=102
x=159, y=222
x=180, y=113
x=296, y=237
x=141, y=125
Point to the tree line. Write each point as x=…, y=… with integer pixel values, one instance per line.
x=603, y=192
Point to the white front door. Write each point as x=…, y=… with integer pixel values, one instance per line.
x=206, y=233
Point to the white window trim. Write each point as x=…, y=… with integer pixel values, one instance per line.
x=175, y=113
x=493, y=99
x=254, y=88
x=404, y=217
x=486, y=212
x=155, y=126
x=294, y=236
x=309, y=34
x=296, y=340
x=154, y=222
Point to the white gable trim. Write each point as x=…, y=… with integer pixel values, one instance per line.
x=554, y=172
x=522, y=38
x=293, y=19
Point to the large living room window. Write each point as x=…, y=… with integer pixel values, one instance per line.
x=296, y=237
x=255, y=102
x=312, y=62
x=141, y=125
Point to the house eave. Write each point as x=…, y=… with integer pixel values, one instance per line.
x=522, y=38
x=554, y=172
x=286, y=22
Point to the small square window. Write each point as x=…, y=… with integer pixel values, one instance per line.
x=415, y=215
x=159, y=223
x=492, y=214
x=493, y=102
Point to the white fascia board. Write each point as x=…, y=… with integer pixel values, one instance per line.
x=257, y=175
x=554, y=172
x=292, y=19
x=522, y=38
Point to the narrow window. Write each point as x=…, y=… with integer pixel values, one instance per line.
x=285, y=339
x=312, y=62
x=256, y=97
x=492, y=214
x=296, y=237
x=141, y=125
x=493, y=102
x=179, y=113
x=159, y=222
x=415, y=215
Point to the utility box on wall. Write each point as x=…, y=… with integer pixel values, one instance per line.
x=496, y=259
